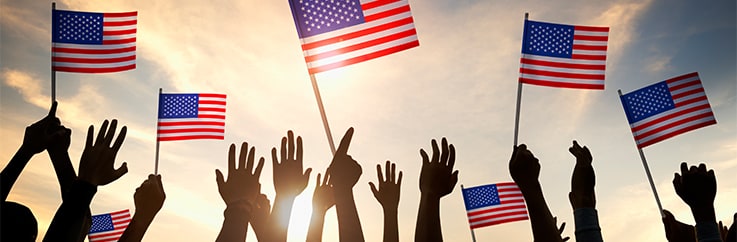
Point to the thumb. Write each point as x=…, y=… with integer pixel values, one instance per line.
x=219, y=177
x=373, y=189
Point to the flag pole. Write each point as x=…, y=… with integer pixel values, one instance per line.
x=156, y=164
x=322, y=113
x=473, y=235
x=649, y=175
x=53, y=72
x=519, y=100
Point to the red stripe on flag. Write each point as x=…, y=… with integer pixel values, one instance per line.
x=688, y=93
x=120, y=15
x=353, y=35
x=387, y=13
x=684, y=85
x=673, y=124
x=363, y=45
x=93, y=51
x=94, y=70
x=118, y=41
x=479, y=225
x=588, y=57
x=686, y=76
x=213, y=95
x=590, y=47
x=590, y=38
x=222, y=110
x=119, y=32
x=563, y=65
x=495, y=209
x=211, y=102
x=562, y=84
x=211, y=116
x=562, y=74
x=191, y=137
x=211, y=123
x=119, y=23
x=376, y=4
x=669, y=116
x=676, y=132
x=93, y=61
x=592, y=29
x=173, y=131
x=690, y=101
x=366, y=57
x=500, y=215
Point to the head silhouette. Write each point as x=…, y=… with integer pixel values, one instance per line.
x=17, y=223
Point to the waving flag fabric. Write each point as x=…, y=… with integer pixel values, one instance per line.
x=494, y=204
x=93, y=42
x=109, y=226
x=191, y=116
x=558, y=55
x=666, y=109
x=345, y=32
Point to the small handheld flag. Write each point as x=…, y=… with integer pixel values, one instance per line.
x=109, y=226
x=666, y=109
x=86, y=42
x=494, y=204
x=558, y=55
x=191, y=116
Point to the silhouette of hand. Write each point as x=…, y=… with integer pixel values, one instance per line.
x=388, y=192
x=696, y=186
x=260, y=216
x=675, y=231
x=243, y=184
x=561, y=229
x=322, y=198
x=524, y=167
x=61, y=139
x=583, y=180
x=149, y=197
x=41, y=134
x=96, y=163
x=344, y=171
x=288, y=177
x=437, y=177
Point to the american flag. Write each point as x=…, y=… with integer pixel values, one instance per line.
x=337, y=33
x=93, y=42
x=191, y=116
x=666, y=109
x=558, y=55
x=494, y=204
x=109, y=226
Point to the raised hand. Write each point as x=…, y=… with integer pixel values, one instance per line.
x=388, y=192
x=388, y=197
x=583, y=180
x=239, y=192
x=148, y=198
x=561, y=229
x=242, y=185
x=323, y=197
x=524, y=167
x=696, y=186
x=437, y=177
x=260, y=218
x=676, y=231
x=98, y=158
x=344, y=172
x=288, y=177
x=41, y=134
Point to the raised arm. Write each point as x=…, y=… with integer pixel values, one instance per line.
x=96, y=168
x=148, y=198
x=583, y=196
x=289, y=181
x=239, y=192
x=698, y=187
x=388, y=196
x=437, y=179
x=525, y=170
x=344, y=172
x=322, y=201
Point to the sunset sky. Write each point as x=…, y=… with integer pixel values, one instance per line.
x=460, y=83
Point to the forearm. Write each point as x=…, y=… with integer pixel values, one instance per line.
x=280, y=217
x=707, y=229
x=137, y=228
x=64, y=170
x=235, y=224
x=391, y=225
x=314, y=234
x=69, y=220
x=428, y=220
x=349, y=225
x=587, y=225
x=543, y=224
x=12, y=171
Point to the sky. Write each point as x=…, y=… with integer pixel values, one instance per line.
x=460, y=83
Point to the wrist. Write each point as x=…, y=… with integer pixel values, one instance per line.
x=703, y=213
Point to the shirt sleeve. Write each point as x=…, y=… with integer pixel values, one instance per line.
x=587, y=225
x=708, y=232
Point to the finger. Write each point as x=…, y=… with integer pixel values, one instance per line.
x=290, y=146
x=299, y=149
x=90, y=132
x=425, y=160
x=231, y=159
x=283, y=150
x=326, y=181
x=452, y=157
x=378, y=173
x=684, y=167
x=274, y=161
x=307, y=173
x=562, y=227
x=111, y=132
x=702, y=167
x=219, y=178
x=399, y=180
x=101, y=134
x=159, y=183
x=373, y=189
x=120, y=171
x=242, y=158
x=251, y=157
x=52, y=111
x=677, y=182
x=393, y=175
x=259, y=167
x=444, y=153
x=345, y=142
x=566, y=238
x=121, y=137
x=317, y=180
x=454, y=179
x=435, y=151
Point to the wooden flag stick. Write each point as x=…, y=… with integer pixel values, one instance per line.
x=322, y=113
x=156, y=164
x=649, y=176
x=519, y=101
x=53, y=72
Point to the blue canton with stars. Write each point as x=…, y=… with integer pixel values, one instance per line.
x=178, y=105
x=647, y=101
x=481, y=196
x=547, y=39
x=313, y=17
x=77, y=27
x=102, y=223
